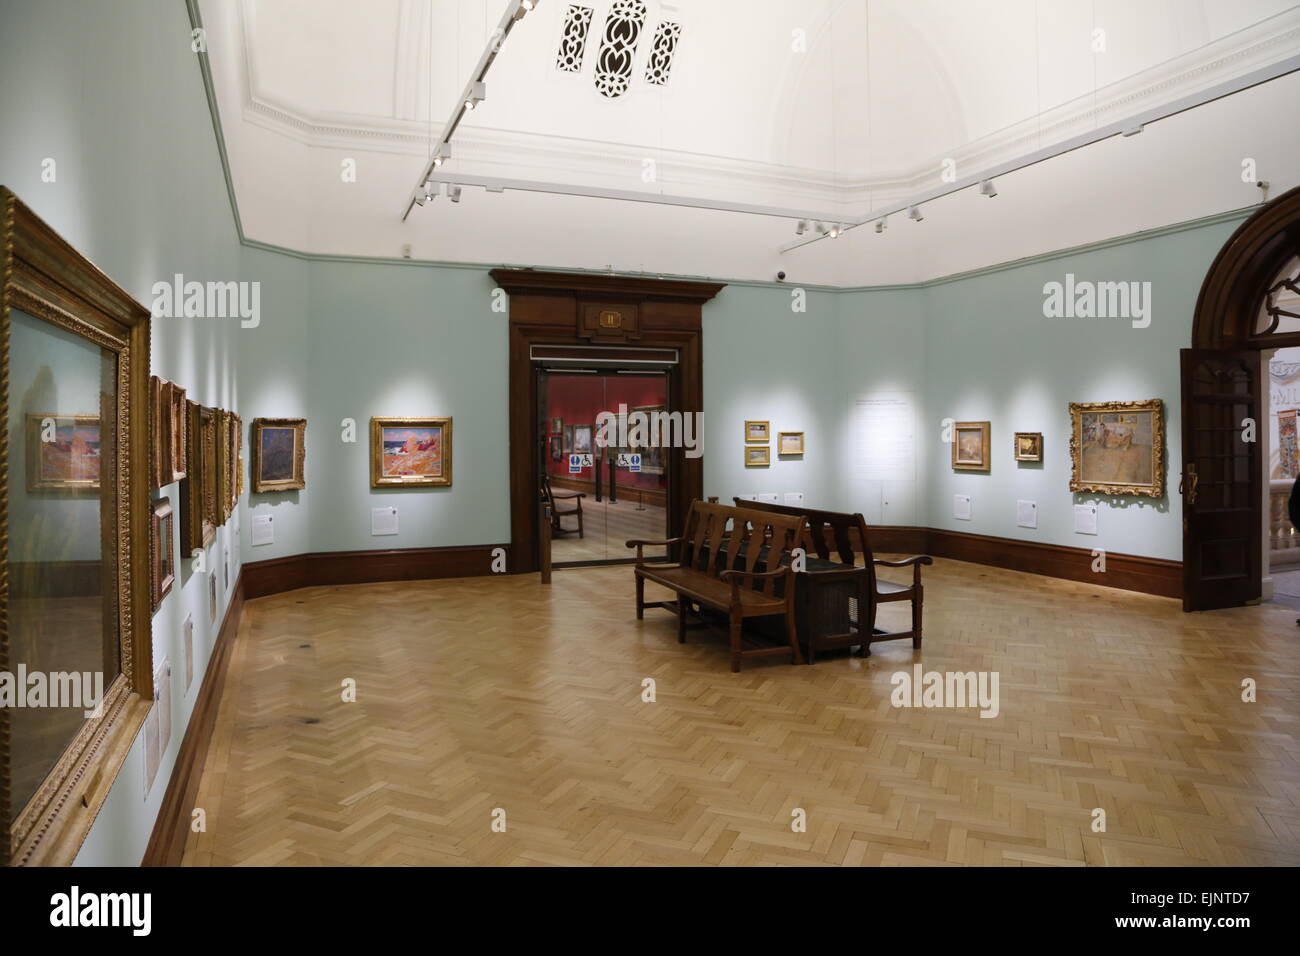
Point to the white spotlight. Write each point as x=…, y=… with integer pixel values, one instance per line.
x=914, y=213
x=477, y=92
x=881, y=224
x=801, y=227
x=443, y=154
x=988, y=189
x=834, y=232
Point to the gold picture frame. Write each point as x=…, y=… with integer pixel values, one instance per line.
x=198, y=490
x=225, y=467
x=970, y=446
x=410, y=452
x=757, y=431
x=162, y=565
x=789, y=443
x=1118, y=448
x=279, y=454
x=174, y=400
x=71, y=432
x=758, y=456
x=1028, y=446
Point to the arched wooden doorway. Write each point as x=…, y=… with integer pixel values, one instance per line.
x=1238, y=317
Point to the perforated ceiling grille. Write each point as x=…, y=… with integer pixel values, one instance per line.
x=573, y=38
x=660, y=60
x=618, y=46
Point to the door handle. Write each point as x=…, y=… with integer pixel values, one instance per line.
x=1187, y=486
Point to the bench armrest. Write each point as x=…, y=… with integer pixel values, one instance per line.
x=749, y=577
x=915, y=562
x=576, y=494
x=639, y=543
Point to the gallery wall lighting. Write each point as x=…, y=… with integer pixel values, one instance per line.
x=834, y=231
x=914, y=213
x=801, y=227
x=453, y=193
x=988, y=189
x=881, y=223
x=442, y=155
x=821, y=228
x=477, y=92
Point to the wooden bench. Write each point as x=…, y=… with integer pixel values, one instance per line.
x=719, y=553
x=844, y=534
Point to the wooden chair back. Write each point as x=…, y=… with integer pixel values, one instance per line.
x=721, y=537
x=828, y=532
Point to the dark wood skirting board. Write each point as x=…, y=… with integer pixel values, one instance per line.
x=171, y=828
x=1129, y=572
x=366, y=567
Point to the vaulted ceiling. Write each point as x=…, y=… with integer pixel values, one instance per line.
x=828, y=109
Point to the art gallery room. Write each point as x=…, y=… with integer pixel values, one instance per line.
x=633, y=433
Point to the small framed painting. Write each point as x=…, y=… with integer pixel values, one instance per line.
x=162, y=564
x=568, y=439
x=279, y=454
x=557, y=426
x=789, y=443
x=1029, y=446
x=1118, y=448
x=175, y=400
x=410, y=452
x=63, y=453
x=757, y=432
x=557, y=448
x=970, y=446
x=758, y=457
x=582, y=439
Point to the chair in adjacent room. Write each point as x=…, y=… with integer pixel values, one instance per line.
x=554, y=499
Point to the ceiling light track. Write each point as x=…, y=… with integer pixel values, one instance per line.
x=471, y=97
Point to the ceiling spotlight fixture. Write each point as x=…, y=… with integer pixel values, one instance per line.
x=988, y=189
x=443, y=154
x=526, y=5
x=834, y=232
x=801, y=227
x=914, y=213
x=453, y=193
x=820, y=227
x=477, y=92
x=881, y=223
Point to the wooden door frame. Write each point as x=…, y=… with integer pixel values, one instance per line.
x=556, y=308
x=1229, y=302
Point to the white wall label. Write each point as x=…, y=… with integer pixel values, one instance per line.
x=383, y=521
x=794, y=498
x=1085, y=518
x=961, y=507
x=749, y=497
x=770, y=498
x=263, y=530
x=1027, y=513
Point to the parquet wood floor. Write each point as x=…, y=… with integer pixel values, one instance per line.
x=607, y=529
x=486, y=693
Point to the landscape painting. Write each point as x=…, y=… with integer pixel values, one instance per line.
x=279, y=455
x=410, y=451
x=63, y=452
x=970, y=446
x=1118, y=447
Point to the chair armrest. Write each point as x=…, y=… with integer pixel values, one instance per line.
x=906, y=562
x=639, y=543
x=576, y=494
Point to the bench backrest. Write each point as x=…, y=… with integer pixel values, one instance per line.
x=720, y=537
x=828, y=532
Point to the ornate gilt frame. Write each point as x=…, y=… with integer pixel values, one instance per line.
x=1157, y=487
x=985, y=429
x=377, y=479
x=198, y=496
x=176, y=416
x=225, y=466
x=161, y=530
x=44, y=276
x=298, y=481
x=1036, y=455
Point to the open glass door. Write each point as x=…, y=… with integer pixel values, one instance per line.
x=602, y=495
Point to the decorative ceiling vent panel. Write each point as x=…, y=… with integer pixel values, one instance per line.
x=614, y=62
x=660, y=60
x=573, y=40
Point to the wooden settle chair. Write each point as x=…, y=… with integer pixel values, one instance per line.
x=721, y=553
x=846, y=535
x=557, y=512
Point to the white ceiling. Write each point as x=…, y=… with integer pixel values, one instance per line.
x=884, y=92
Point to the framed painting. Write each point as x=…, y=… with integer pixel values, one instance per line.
x=225, y=466
x=279, y=454
x=160, y=432
x=653, y=450
x=410, y=452
x=63, y=453
x=557, y=448
x=1029, y=446
x=1118, y=448
x=970, y=446
x=758, y=456
x=757, y=431
x=582, y=439
x=175, y=404
x=568, y=439
x=789, y=443
x=557, y=426
x=235, y=442
x=162, y=564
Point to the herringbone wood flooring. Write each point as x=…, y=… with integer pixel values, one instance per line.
x=486, y=693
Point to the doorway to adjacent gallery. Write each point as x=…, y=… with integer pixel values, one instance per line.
x=602, y=493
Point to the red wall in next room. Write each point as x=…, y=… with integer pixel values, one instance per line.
x=578, y=399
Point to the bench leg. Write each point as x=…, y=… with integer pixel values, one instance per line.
x=917, y=601
x=737, y=622
x=640, y=598
x=796, y=656
x=682, y=605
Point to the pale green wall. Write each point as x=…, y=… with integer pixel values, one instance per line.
x=112, y=93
